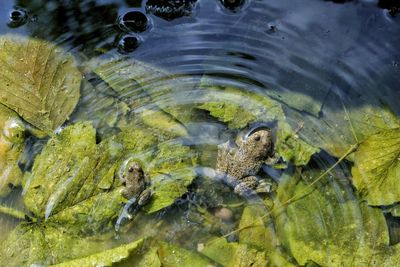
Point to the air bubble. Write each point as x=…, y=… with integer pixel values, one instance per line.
x=133, y=21
x=128, y=44
x=17, y=17
x=233, y=5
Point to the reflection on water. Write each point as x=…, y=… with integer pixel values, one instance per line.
x=320, y=61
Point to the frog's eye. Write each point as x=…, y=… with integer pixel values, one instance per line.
x=257, y=137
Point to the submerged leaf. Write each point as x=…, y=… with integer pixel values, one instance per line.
x=328, y=225
x=234, y=254
x=376, y=170
x=100, y=107
x=258, y=234
x=152, y=93
x=38, y=80
x=172, y=255
x=75, y=182
x=72, y=181
x=11, y=147
x=171, y=171
x=342, y=123
x=40, y=244
x=239, y=108
x=107, y=257
x=60, y=171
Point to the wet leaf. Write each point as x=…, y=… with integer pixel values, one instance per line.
x=39, y=81
x=75, y=182
x=171, y=171
x=376, y=168
x=107, y=257
x=239, y=108
x=145, y=257
x=234, y=254
x=163, y=121
x=11, y=147
x=171, y=255
x=259, y=235
x=159, y=98
x=46, y=244
x=342, y=123
x=70, y=182
x=74, y=190
x=98, y=105
x=327, y=224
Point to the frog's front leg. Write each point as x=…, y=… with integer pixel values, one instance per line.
x=251, y=185
x=246, y=186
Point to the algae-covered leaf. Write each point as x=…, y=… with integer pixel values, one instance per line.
x=107, y=257
x=234, y=254
x=147, y=256
x=239, y=108
x=171, y=171
x=45, y=244
x=11, y=147
x=260, y=234
x=150, y=92
x=171, y=255
x=39, y=81
x=342, y=123
x=60, y=170
x=72, y=181
x=376, y=170
x=327, y=224
x=100, y=107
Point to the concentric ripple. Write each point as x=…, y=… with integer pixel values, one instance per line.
x=322, y=63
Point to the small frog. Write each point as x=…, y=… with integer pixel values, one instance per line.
x=238, y=163
x=136, y=184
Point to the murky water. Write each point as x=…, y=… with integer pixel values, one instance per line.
x=325, y=64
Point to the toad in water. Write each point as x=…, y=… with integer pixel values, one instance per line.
x=136, y=184
x=238, y=163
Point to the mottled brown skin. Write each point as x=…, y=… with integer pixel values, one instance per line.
x=135, y=184
x=239, y=163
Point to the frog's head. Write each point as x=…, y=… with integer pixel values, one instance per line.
x=257, y=142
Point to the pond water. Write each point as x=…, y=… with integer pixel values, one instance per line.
x=165, y=83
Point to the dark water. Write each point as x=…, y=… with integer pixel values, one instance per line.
x=314, y=48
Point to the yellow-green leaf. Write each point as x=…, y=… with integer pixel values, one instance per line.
x=234, y=254
x=105, y=258
x=171, y=255
x=376, y=170
x=11, y=147
x=38, y=80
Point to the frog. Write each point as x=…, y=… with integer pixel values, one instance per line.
x=239, y=162
x=136, y=184
x=136, y=191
